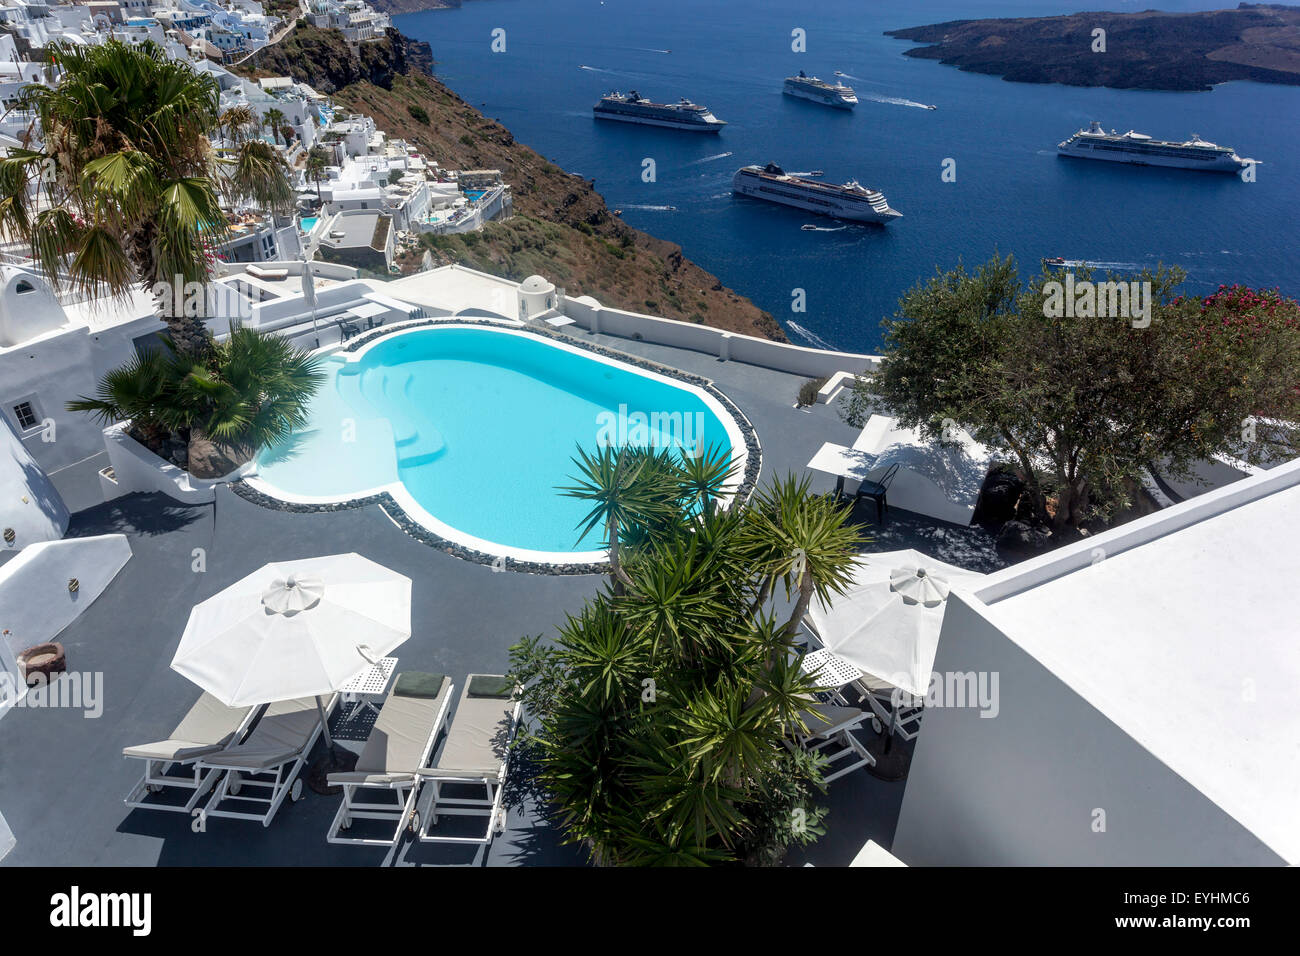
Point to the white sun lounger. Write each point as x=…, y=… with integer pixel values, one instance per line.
x=830, y=728
x=269, y=759
x=476, y=754
x=400, y=743
x=208, y=727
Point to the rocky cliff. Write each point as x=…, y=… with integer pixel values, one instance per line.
x=561, y=228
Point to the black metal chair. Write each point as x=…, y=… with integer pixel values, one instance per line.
x=878, y=490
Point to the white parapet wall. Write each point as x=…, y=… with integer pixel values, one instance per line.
x=729, y=346
x=36, y=601
x=30, y=508
x=137, y=469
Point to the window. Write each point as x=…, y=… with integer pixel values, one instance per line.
x=23, y=287
x=25, y=415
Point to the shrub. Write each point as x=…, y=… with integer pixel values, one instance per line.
x=809, y=389
x=418, y=113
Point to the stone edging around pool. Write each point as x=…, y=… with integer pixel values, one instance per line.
x=399, y=517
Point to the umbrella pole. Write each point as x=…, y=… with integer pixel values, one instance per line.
x=325, y=725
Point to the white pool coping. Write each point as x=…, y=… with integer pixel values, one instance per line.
x=418, y=514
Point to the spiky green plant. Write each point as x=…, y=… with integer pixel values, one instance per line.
x=661, y=713
x=247, y=392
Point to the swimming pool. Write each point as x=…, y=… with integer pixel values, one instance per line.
x=474, y=195
x=308, y=223
x=471, y=428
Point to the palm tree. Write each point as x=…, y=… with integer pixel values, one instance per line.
x=124, y=191
x=274, y=121
x=318, y=158
x=249, y=391
x=662, y=708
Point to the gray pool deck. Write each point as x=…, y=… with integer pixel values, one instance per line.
x=62, y=775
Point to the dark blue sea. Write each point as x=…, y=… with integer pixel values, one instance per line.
x=1012, y=193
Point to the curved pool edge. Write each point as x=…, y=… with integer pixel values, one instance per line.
x=408, y=515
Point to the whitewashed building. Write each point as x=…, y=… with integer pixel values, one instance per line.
x=1146, y=712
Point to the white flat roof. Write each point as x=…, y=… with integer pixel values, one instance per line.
x=454, y=289
x=1188, y=642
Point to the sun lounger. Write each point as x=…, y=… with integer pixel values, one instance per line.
x=208, y=727
x=830, y=732
x=476, y=755
x=269, y=759
x=892, y=710
x=400, y=742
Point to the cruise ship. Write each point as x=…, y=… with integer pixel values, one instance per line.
x=634, y=108
x=819, y=91
x=1142, y=150
x=847, y=201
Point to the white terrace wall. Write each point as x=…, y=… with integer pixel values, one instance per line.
x=35, y=602
x=31, y=510
x=55, y=369
x=732, y=346
x=137, y=469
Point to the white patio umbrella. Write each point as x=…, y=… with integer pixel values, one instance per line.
x=887, y=623
x=295, y=629
x=309, y=296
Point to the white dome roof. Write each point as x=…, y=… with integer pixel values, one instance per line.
x=536, y=284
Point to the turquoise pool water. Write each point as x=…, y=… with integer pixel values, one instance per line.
x=474, y=195
x=309, y=223
x=480, y=426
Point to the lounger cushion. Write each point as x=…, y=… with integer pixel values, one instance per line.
x=826, y=719
x=280, y=736
x=478, y=740
x=207, y=728
x=419, y=684
x=176, y=751
x=395, y=748
x=490, y=685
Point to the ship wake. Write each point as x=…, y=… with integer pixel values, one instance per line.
x=893, y=100
x=811, y=337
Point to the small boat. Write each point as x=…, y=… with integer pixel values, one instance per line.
x=809, y=227
x=932, y=107
x=1054, y=262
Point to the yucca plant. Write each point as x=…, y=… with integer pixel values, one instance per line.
x=659, y=715
x=124, y=190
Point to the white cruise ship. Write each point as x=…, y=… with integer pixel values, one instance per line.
x=635, y=108
x=847, y=201
x=807, y=87
x=1142, y=150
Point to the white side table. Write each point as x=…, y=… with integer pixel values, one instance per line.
x=368, y=686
